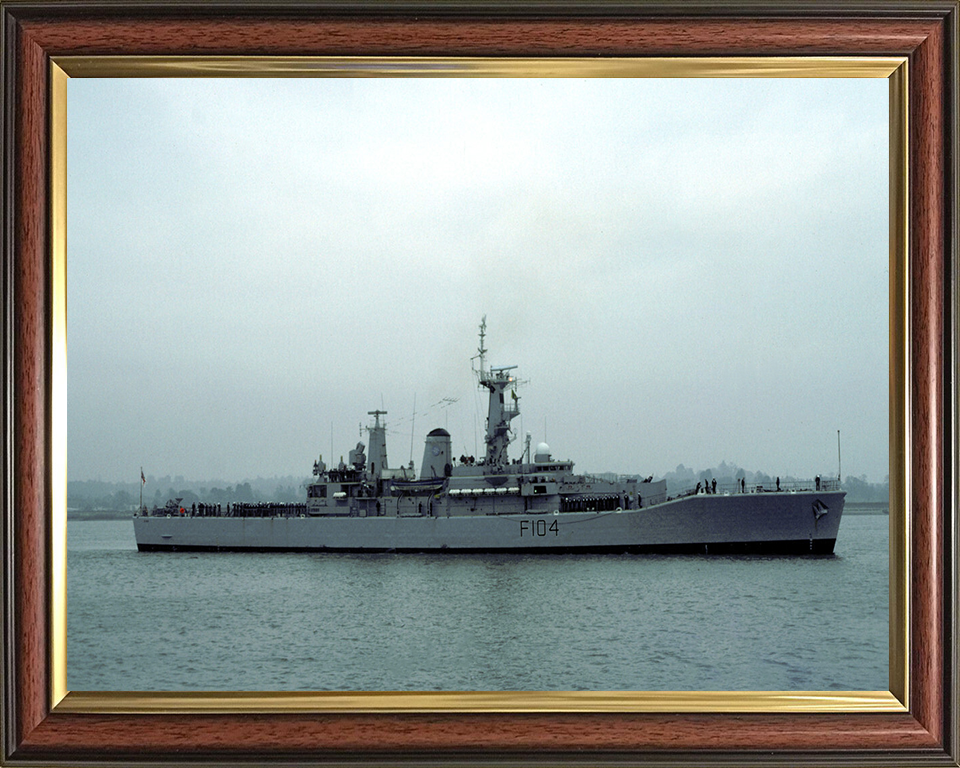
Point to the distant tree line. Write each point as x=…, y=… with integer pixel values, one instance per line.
x=858, y=489
x=92, y=495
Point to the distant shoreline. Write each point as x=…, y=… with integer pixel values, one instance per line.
x=98, y=514
x=866, y=508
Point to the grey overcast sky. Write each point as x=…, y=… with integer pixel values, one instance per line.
x=685, y=271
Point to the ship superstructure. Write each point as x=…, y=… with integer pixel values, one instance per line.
x=496, y=503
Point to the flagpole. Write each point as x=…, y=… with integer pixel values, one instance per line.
x=838, y=456
x=142, y=481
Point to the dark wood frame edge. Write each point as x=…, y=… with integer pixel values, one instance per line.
x=928, y=734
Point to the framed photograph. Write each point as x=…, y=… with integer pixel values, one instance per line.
x=538, y=55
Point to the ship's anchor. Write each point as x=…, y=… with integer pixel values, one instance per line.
x=819, y=510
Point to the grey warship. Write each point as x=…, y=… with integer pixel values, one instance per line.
x=531, y=503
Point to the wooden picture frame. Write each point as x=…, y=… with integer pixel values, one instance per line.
x=37, y=729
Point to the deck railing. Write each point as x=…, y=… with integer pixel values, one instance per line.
x=824, y=484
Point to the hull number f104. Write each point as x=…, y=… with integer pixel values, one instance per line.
x=538, y=528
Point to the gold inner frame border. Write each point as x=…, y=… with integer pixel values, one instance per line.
x=894, y=69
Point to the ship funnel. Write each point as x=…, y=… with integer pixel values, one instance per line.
x=437, y=460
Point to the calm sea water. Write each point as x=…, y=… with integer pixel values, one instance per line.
x=247, y=621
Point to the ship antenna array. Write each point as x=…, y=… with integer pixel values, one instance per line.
x=482, y=351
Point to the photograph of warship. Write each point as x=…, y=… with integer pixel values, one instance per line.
x=531, y=503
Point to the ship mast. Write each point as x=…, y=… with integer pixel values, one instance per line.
x=481, y=351
x=378, y=443
x=500, y=412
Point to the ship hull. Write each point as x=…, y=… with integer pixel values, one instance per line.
x=804, y=522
